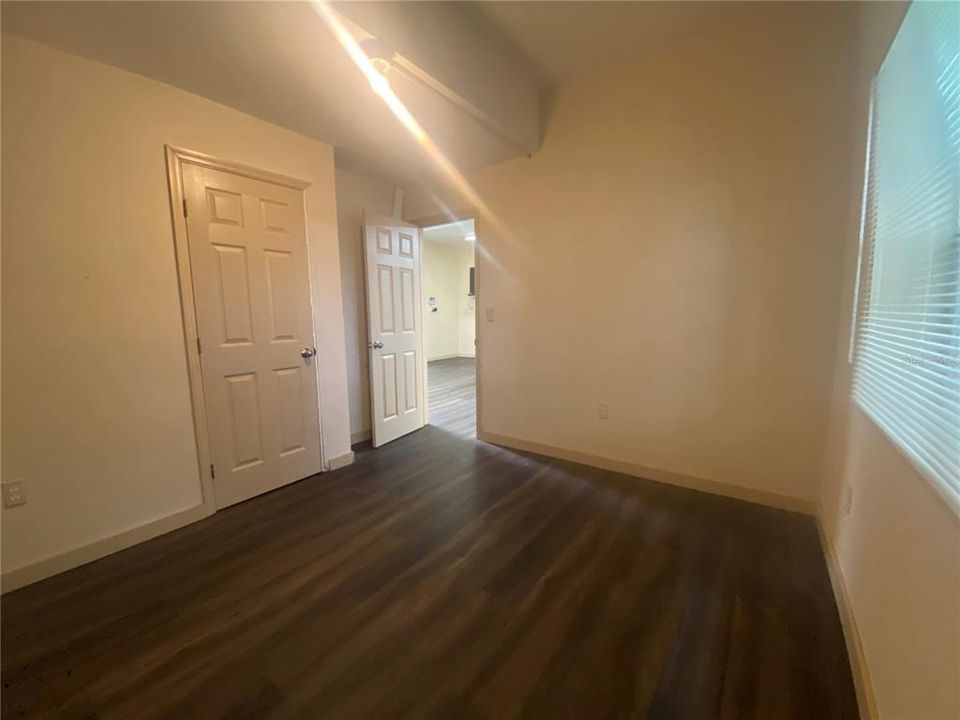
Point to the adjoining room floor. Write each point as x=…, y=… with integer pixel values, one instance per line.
x=441, y=577
x=452, y=395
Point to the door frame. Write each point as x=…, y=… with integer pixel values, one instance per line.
x=176, y=157
x=432, y=221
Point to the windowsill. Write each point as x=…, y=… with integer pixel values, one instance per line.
x=945, y=494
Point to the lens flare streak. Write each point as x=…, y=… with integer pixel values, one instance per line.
x=381, y=86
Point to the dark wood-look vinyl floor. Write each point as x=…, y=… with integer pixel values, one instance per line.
x=441, y=577
x=452, y=395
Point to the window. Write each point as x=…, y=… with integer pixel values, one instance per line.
x=907, y=342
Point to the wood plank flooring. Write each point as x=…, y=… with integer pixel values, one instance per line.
x=452, y=395
x=441, y=577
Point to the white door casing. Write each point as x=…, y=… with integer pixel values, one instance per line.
x=251, y=290
x=394, y=330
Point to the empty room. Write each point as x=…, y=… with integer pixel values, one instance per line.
x=480, y=360
x=449, y=325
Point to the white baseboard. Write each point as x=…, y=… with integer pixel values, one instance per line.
x=760, y=497
x=340, y=461
x=359, y=437
x=34, y=572
x=18, y=577
x=851, y=633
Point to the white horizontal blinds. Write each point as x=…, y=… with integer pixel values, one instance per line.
x=907, y=357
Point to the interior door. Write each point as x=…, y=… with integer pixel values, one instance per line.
x=395, y=335
x=248, y=259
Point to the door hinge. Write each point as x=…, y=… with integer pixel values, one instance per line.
x=199, y=347
x=213, y=473
x=184, y=207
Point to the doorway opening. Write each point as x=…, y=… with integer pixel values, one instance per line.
x=449, y=324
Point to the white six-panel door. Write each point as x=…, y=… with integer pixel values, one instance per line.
x=395, y=336
x=248, y=258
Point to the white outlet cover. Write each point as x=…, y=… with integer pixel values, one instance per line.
x=13, y=494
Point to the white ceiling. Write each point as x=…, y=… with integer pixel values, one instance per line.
x=450, y=233
x=278, y=61
x=565, y=38
x=274, y=60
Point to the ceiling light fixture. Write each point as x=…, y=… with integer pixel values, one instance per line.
x=379, y=56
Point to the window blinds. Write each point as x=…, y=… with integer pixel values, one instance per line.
x=907, y=340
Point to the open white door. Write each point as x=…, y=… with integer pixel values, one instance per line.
x=394, y=331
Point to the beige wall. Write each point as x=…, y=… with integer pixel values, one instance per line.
x=441, y=329
x=895, y=540
x=96, y=412
x=675, y=251
x=356, y=193
x=449, y=331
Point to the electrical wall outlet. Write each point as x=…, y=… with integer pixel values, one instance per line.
x=489, y=314
x=13, y=494
x=603, y=411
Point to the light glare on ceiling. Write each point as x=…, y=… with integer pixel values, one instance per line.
x=381, y=86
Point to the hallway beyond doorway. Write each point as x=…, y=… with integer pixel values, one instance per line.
x=452, y=392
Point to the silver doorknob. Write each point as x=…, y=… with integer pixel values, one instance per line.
x=377, y=345
x=308, y=352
